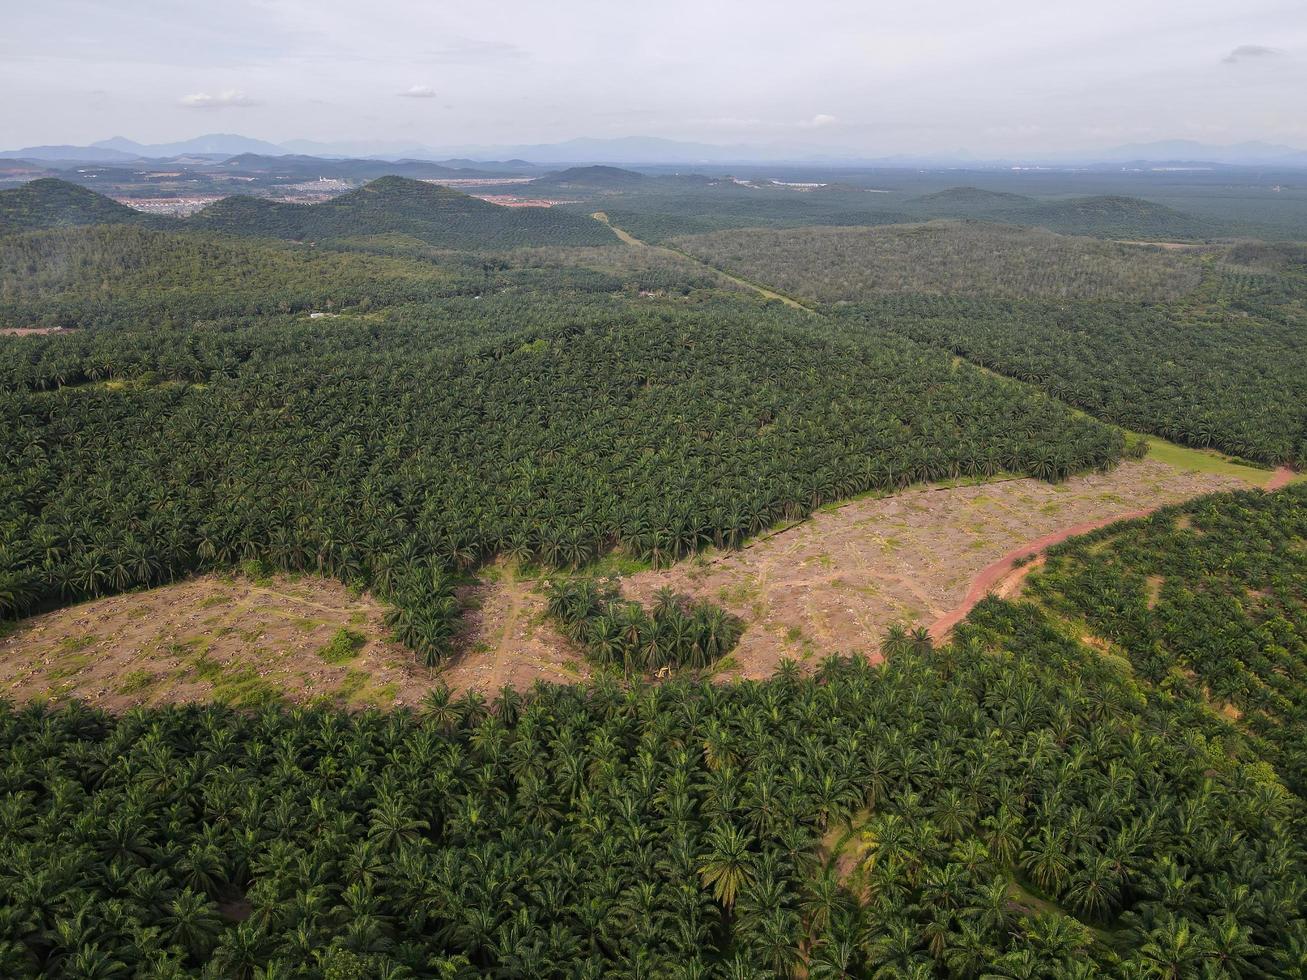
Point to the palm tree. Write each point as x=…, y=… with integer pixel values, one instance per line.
x=192, y=923
x=727, y=864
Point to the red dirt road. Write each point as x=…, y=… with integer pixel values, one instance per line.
x=1280, y=478
x=991, y=575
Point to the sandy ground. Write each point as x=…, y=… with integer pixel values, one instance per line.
x=836, y=582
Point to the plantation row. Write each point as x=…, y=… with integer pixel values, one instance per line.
x=1023, y=808
x=1209, y=599
x=1225, y=380
x=676, y=632
x=368, y=453
x=132, y=278
x=837, y=264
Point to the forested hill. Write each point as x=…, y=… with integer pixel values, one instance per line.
x=390, y=205
x=53, y=203
x=1107, y=216
x=398, y=205
x=593, y=179
x=955, y=202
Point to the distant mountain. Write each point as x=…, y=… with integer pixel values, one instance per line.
x=212, y=144
x=52, y=203
x=307, y=167
x=1191, y=151
x=361, y=149
x=69, y=154
x=400, y=206
x=629, y=150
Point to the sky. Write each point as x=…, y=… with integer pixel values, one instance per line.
x=870, y=77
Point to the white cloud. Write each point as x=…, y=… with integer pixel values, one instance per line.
x=418, y=92
x=226, y=99
x=1247, y=52
x=819, y=120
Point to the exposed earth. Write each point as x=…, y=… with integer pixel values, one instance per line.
x=836, y=582
x=832, y=583
x=229, y=639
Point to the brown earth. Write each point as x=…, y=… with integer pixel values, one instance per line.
x=211, y=638
x=508, y=641
x=31, y=331
x=230, y=639
x=836, y=582
x=833, y=583
x=1005, y=576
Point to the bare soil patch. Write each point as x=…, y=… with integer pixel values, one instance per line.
x=212, y=638
x=833, y=583
x=1282, y=477
x=507, y=640
x=836, y=582
x=32, y=331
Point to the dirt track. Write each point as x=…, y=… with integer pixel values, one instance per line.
x=836, y=582
x=999, y=575
x=833, y=583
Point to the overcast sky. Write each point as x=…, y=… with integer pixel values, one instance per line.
x=871, y=76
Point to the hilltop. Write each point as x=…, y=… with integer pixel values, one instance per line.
x=594, y=178
x=53, y=203
x=390, y=205
x=962, y=201
x=397, y=205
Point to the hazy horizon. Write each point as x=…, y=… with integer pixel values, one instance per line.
x=989, y=78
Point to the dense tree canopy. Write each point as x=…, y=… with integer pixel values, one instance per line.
x=668, y=831
x=956, y=258
x=1219, y=378
x=383, y=457
x=1209, y=599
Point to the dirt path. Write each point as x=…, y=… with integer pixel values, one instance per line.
x=507, y=641
x=1004, y=576
x=761, y=290
x=1282, y=477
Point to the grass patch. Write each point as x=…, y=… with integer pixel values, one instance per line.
x=725, y=665
x=616, y=564
x=355, y=681
x=1205, y=461
x=344, y=646
x=136, y=682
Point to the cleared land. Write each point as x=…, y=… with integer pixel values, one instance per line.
x=213, y=638
x=832, y=583
x=945, y=257
x=837, y=581
x=242, y=641
x=507, y=639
